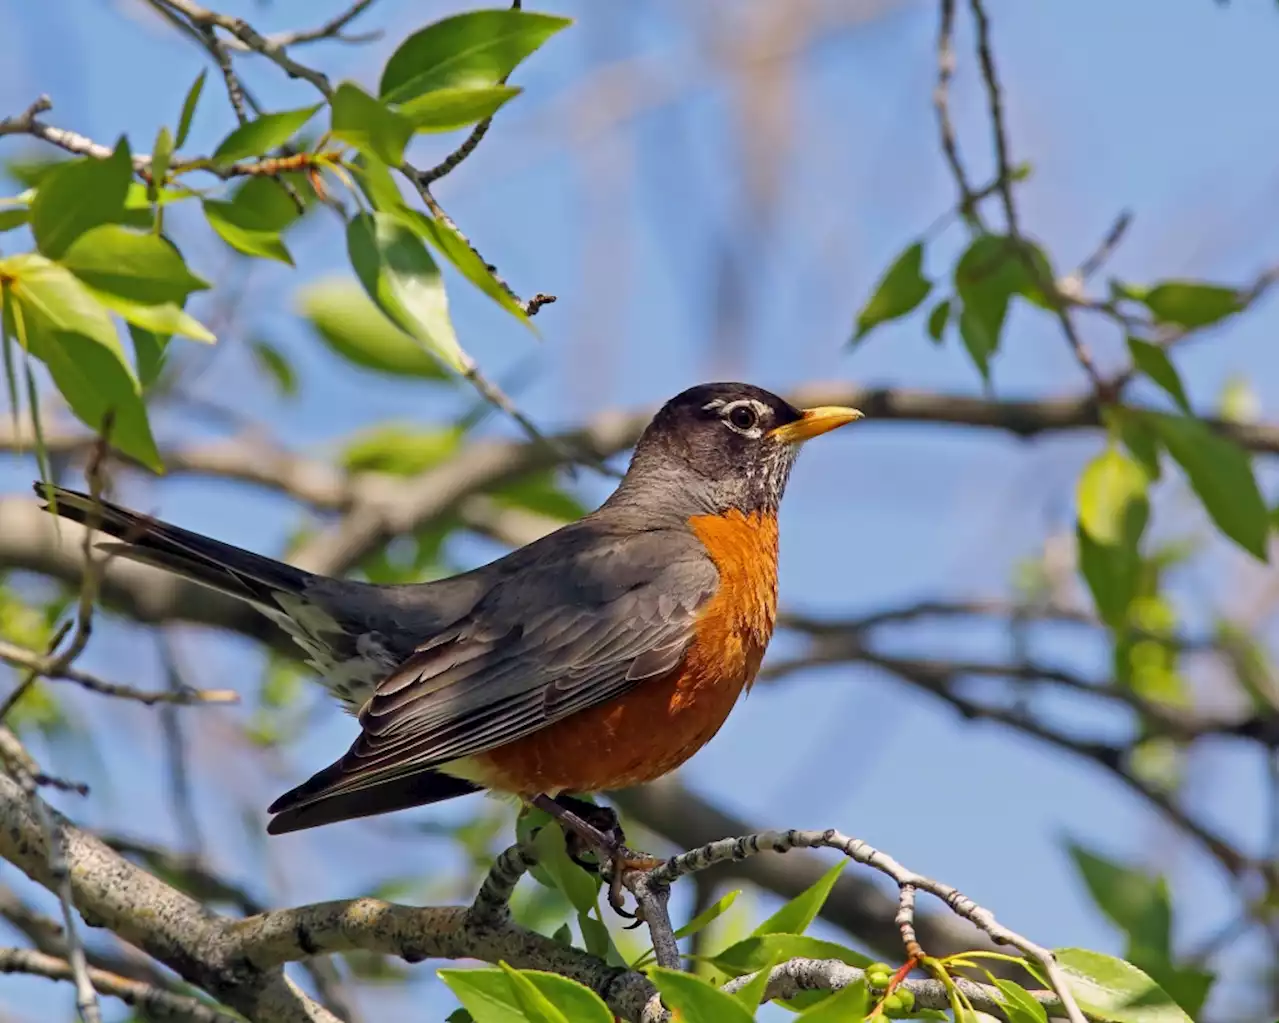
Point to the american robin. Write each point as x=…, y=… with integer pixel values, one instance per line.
x=601, y=656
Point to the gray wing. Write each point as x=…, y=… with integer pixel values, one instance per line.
x=550, y=638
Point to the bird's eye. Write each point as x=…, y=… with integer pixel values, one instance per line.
x=743, y=417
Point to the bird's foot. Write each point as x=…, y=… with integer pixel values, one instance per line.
x=595, y=830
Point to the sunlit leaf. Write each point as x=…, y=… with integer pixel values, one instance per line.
x=366, y=124
x=709, y=915
x=245, y=230
x=754, y=952
x=488, y=995
x=78, y=195
x=797, y=914
x=848, y=1005
x=902, y=288
x=474, y=49
x=536, y=1007
x=1116, y=991
x=189, y=110
x=400, y=276
x=451, y=109
x=143, y=268
x=695, y=1000
x=1112, y=506
x=990, y=272
x=258, y=137
x=1020, y=1007
x=349, y=323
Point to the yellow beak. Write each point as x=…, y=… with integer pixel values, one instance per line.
x=814, y=421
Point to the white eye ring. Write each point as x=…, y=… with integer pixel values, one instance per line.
x=744, y=417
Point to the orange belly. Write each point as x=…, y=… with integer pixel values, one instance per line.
x=660, y=724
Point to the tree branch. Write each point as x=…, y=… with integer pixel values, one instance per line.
x=154, y=1001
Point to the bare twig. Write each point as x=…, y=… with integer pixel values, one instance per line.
x=861, y=852
x=154, y=1001
x=942, y=107
x=47, y=667
x=238, y=28
x=331, y=29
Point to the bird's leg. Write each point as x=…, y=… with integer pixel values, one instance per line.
x=596, y=829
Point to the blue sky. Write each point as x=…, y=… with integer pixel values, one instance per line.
x=1164, y=108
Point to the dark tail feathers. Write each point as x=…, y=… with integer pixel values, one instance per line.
x=302, y=808
x=234, y=571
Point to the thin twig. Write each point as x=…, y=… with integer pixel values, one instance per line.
x=154, y=1001
x=942, y=107
x=860, y=852
x=46, y=667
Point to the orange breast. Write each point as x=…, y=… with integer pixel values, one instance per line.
x=657, y=726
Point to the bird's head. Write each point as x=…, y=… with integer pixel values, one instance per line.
x=723, y=446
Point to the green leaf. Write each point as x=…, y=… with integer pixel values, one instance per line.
x=579, y=887
x=379, y=187
x=477, y=48
x=1220, y=473
x=1020, y=1007
x=1135, y=902
x=990, y=272
x=54, y=295
x=189, y=110
x=351, y=325
x=1112, y=509
x=1137, y=435
x=260, y=136
x=446, y=240
x=848, y=1005
x=1154, y=362
x=752, y=992
x=695, y=1000
x=266, y=202
x=399, y=448
x=95, y=381
x=798, y=914
x=1108, y=489
x=1115, y=990
x=245, y=230
x=938, y=320
x=161, y=153
x=366, y=124
x=78, y=195
x=488, y=995
x=403, y=280
x=14, y=217
x=533, y=1003
x=709, y=915
x=167, y=318
x=902, y=288
x=143, y=268
x=148, y=353
x=753, y=953
x=277, y=366
x=451, y=109
x=1191, y=303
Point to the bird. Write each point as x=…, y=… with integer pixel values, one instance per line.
x=600, y=656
